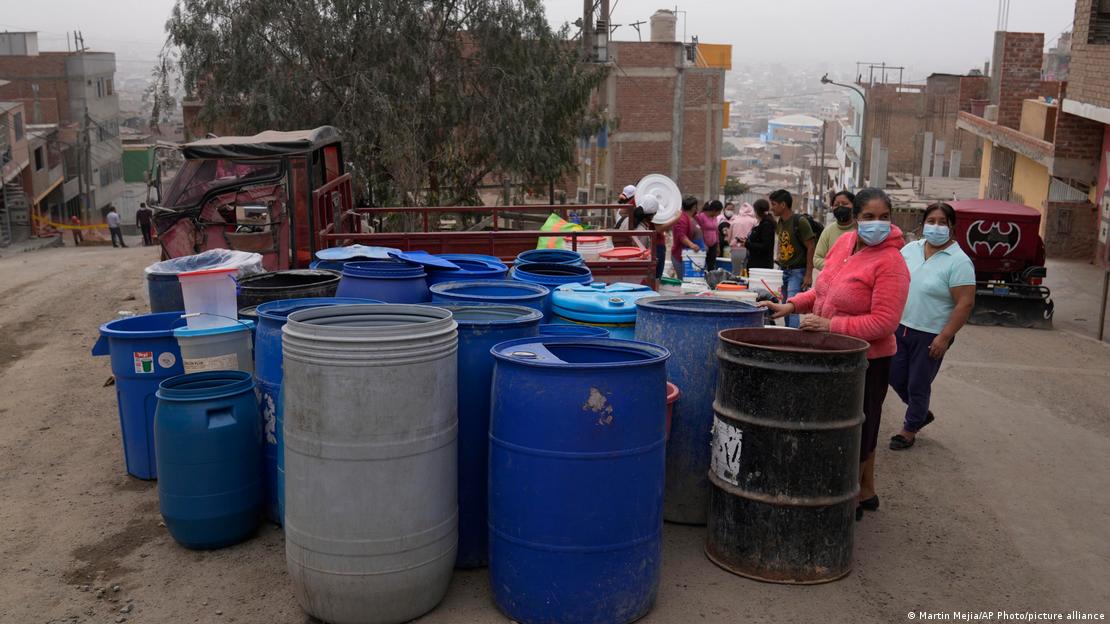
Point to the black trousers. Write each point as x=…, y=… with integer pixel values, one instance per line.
x=711, y=253
x=147, y=238
x=875, y=386
x=116, y=234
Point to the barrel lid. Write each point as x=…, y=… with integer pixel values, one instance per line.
x=492, y=290
x=424, y=258
x=623, y=253
x=587, y=239
x=240, y=325
x=599, y=302
x=355, y=251
x=578, y=352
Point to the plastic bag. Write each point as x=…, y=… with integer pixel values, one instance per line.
x=248, y=263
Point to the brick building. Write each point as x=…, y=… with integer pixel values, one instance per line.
x=666, y=101
x=1088, y=97
x=71, y=90
x=1034, y=153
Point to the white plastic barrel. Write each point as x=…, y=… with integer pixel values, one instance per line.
x=216, y=348
x=209, y=297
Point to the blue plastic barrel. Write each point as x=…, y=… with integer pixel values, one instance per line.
x=481, y=326
x=165, y=293
x=389, y=281
x=469, y=270
x=550, y=256
x=576, y=479
x=144, y=352
x=552, y=276
x=483, y=257
x=553, y=329
x=271, y=318
x=505, y=292
x=688, y=326
x=209, y=443
x=610, y=306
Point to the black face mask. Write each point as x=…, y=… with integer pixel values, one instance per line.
x=842, y=214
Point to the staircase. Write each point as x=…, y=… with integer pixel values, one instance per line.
x=14, y=210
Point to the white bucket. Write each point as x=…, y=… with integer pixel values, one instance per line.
x=216, y=348
x=772, y=277
x=209, y=297
x=591, y=247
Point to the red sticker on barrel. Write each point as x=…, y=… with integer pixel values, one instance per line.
x=144, y=362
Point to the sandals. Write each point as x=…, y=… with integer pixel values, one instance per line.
x=871, y=504
x=900, y=443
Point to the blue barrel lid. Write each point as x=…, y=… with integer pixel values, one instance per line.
x=491, y=290
x=599, y=302
x=278, y=310
x=554, y=274
x=383, y=269
x=479, y=314
x=355, y=251
x=474, y=257
x=241, y=325
x=424, y=258
x=577, y=352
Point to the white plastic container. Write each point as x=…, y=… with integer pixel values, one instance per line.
x=591, y=247
x=209, y=297
x=216, y=348
x=773, y=277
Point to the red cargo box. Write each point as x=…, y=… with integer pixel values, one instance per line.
x=999, y=236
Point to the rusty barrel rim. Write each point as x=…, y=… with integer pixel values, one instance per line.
x=793, y=340
x=755, y=577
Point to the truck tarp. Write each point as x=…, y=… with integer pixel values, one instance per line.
x=262, y=145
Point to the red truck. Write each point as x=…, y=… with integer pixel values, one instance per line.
x=1004, y=242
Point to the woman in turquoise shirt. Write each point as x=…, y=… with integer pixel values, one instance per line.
x=942, y=293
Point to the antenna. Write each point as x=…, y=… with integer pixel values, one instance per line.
x=637, y=25
x=1003, y=21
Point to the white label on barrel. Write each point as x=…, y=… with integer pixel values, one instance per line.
x=725, y=459
x=167, y=359
x=217, y=362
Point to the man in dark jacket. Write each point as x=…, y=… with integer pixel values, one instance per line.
x=143, y=218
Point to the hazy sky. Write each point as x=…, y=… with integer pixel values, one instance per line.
x=925, y=35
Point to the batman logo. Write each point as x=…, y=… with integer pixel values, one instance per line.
x=995, y=236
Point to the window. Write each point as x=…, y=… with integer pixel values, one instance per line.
x=17, y=122
x=1099, y=30
x=108, y=86
x=99, y=88
x=40, y=158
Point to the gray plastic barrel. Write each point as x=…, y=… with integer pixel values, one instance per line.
x=371, y=522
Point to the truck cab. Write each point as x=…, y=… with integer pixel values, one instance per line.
x=269, y=193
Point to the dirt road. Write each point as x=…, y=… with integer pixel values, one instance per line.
x=1002, y=505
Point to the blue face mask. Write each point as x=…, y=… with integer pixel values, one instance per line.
x=937, y=235
x=873, y=232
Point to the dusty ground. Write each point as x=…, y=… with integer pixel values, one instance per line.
x=1003, y=504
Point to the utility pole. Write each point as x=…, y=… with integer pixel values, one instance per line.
x=87, y=168
x=863, y=125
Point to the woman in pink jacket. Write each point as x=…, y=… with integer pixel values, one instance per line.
x=861, y=293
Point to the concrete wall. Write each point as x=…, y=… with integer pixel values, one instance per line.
x=1070, y=229
x=985, y=169
x=1031, y=182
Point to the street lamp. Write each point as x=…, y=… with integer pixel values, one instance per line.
x=863, y=123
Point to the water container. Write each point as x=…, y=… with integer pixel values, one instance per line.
x=388, y=281
x=216, y=348
x=481, y=326
x=164, y=292
x=688, y=326
x=469, y=270
x=549, y=256
x=370, y=460
x=296, y=284
x=610, y=306
x=553, y=329
x=209, y=444
x=765, y=280
x=551, y=275
x=576, y=479
x=693, y=264
x=143, y=353
x=784, y=473
x=478, y=257
x=591, y=247
x=268, y=376
x=209, y=297
x=505, y=292
x=164, y=287
x=672, y=397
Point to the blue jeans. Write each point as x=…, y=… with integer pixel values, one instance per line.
x=792, y=285
x=912, y=373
